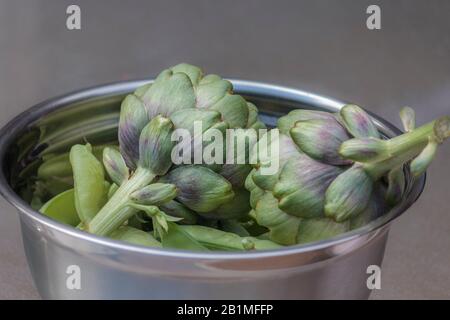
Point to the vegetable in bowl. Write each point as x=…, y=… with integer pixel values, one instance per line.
x=134, y=192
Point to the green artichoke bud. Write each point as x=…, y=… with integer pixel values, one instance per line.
x=320, y=139
x=348, y=194
x=363, y=149
x=210, y=90
x=329, y=168
x=150, y=120
x=283, y=228
x=171, y=91
x=139, y=92
x=115, y=166
x=155, y=145
x=301, y=186
x=441, y=129
x=358, y=122
x=319, y=229
x=285, y=124
x=253, y=120
x=423, y=160
x=199, y=188
x=408, y=117
x=396, y=186
x=133, y=118
x=234, y=110
x=234, y=208
x=238, y=153
x=377, y=207
x=190, y=148
x=155, y=194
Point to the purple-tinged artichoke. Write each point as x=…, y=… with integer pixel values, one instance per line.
x=331, y=171
x=144, y=170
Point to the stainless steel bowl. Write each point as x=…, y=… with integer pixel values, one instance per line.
x=331, y=269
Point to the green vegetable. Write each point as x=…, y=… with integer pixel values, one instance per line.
x=177, y=238
x=330, y=165
x=89, y=182
x=215, y=239
x=62, y=208
x=335, y=171
x=178, y=98
x=135, y=236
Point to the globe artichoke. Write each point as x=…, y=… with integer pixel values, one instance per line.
x=143, y=169
x=333, y=171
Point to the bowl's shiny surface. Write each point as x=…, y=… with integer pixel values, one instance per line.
x=334, y=268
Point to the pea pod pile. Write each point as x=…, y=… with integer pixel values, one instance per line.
x=335, y=171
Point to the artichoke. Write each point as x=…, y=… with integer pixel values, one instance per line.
x=333, y=171
x=143, y=169
x=168, y=184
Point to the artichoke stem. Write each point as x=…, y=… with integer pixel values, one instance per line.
x=402, y=149
x=115, y=212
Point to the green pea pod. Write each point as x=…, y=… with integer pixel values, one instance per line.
x=89, y=182
x=55, y=166
x=62, y=208
x=59, y=165
x=177, y=238
x=234, y=226
x=215, y=239
x=55, y=185
x=135, y=236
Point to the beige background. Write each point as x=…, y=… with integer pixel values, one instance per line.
x=321, y=46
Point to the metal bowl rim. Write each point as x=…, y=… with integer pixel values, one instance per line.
x=20, y=122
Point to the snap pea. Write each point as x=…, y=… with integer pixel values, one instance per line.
x=215, y=239
x=62, y=208
x=135, y=236
x=58, y=165
x=89, y=182
x=178, y=238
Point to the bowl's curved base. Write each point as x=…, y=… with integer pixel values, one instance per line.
x=62, y=273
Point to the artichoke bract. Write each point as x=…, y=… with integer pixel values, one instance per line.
x=336, y=172
x=144, y=170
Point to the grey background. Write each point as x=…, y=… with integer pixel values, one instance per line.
x=321, y=46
